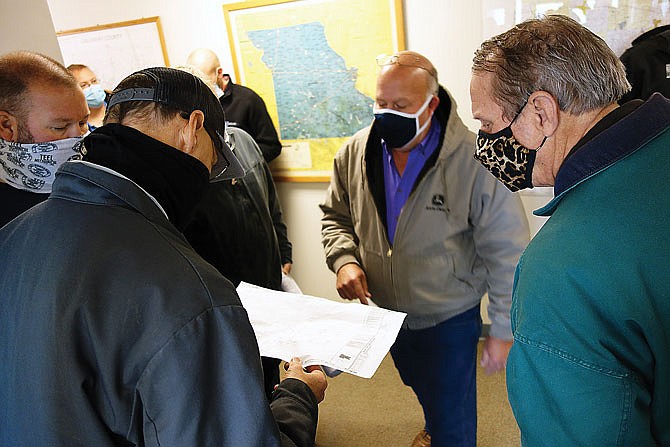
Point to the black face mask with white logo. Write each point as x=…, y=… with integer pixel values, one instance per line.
x=398, y=129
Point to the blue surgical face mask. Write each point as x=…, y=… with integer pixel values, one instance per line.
x=398, y=129
x=95, y=96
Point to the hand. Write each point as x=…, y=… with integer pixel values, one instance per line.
x=352, y=284
x=494, y=354
x=286, y=268
x=313, y=376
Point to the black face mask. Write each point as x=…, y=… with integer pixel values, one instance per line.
x=398, y=129
x=508, y=161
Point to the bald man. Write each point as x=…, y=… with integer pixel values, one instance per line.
x=414, y=223
x=43, y=115
x=243, y=107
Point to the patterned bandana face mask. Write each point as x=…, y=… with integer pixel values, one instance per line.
x=32, y=166
x=508, y=161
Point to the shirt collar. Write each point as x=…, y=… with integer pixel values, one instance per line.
x=619, y=134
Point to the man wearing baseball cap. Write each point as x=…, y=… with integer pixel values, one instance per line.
x=115, y=332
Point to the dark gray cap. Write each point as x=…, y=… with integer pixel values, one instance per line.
x=186, y=92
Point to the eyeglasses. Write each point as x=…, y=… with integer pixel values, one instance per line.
x=406, y=60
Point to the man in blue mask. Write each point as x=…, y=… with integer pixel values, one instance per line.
x=414, y=223
x=43, y=115
x=94, y=92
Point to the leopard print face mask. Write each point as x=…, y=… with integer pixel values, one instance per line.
x=506, y=158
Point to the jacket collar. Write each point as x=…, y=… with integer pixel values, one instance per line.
x=651, y=33
x=90, y=183
x=610, y=145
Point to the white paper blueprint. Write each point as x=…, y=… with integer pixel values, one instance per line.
x=350, y=337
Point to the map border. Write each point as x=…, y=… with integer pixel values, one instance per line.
x=231, y=13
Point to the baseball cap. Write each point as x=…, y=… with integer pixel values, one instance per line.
x=186, y=92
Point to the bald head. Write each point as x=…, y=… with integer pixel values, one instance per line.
x=206, y=61
x=407, y=83
x=413, y=66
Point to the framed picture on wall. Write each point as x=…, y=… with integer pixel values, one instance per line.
x=115, y=50
x=313, y=63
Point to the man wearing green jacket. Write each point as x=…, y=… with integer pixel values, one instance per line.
x=590, y=364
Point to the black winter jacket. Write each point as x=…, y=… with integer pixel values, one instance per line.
x=245, y=109
x=238, y=226
x=648, y=64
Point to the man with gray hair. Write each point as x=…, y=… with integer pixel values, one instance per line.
x=591, y=308
x=413, y=223
x=43, y=115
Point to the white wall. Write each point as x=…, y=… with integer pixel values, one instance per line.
x=446, y=31
x=27, y=25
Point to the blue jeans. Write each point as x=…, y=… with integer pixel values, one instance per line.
x=440, y=365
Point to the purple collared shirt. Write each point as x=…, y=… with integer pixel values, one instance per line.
x=398, y=187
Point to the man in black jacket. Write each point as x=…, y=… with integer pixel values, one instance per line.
x=647, y=64
x=243, y=107
x=115, y=332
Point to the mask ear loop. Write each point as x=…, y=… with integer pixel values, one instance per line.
x=517, y=115
x=419, y=112
x=423, y=108
x=541, y=144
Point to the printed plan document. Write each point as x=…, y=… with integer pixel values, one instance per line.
x=349, y=337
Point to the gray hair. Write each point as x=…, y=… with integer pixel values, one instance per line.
x=555, y=54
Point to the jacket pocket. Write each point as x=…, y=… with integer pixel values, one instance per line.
x=430, y=285
x=560, y=399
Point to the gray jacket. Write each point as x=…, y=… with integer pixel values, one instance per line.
x=459, y=235
x=115, y=332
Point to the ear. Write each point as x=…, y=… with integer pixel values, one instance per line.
x=546, y=112
x=9, y=126
x=189, y=133
x=434, y=102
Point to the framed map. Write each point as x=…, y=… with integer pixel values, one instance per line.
x=313, y=63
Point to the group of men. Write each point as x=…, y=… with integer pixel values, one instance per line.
x=119, y=318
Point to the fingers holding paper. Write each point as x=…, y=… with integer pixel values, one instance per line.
x=313, y=376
